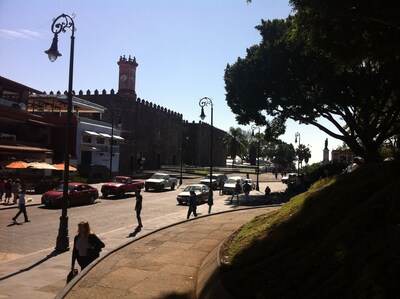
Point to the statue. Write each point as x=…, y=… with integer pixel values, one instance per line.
x=326, y=143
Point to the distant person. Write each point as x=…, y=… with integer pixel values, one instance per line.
x=2, y=188
x=238, y=189
x=87, y=246
x=15, y=190
x=192, y=204
x=7, y=191
x=276, y=175
x=221, y=187
x=138, y=206
x=246, y=189
x=21, y=206
x=267, y=191
x=210, y=201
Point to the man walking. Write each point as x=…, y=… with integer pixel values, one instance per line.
x=192, y=204
x=236, y=192
x=221, y=187
x=138, y=206
x=22, y=207
x=246, y=189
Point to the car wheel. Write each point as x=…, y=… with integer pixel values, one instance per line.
x=146, y=189
x=121, y=194
x=105, y=195
x=173, y=186
x=92, y=200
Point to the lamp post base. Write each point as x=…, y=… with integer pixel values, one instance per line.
x=62, y=243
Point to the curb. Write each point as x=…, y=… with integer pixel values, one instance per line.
x=81, y=274
x=16, y=206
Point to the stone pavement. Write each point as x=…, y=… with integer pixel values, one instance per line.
x=163, y=264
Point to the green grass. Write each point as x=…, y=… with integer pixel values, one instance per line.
x=340, y=239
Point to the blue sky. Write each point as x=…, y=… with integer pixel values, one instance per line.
x=182, y=47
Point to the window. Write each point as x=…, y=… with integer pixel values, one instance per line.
x=86, y=139
x=100, y=140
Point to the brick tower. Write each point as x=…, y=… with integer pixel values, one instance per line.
x=127, y=75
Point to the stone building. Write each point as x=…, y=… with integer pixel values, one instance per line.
x=152, y=133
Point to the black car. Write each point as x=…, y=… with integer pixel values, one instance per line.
x=217, y=178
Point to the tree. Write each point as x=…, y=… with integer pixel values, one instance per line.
x=282, y=154
x=303, y=153
x=290, y=75
x=235, y=143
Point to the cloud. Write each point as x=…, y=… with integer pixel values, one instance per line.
x=20, y=34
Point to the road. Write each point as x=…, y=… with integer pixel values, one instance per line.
x=106, y=215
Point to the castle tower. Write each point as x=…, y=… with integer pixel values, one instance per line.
x=127, y=75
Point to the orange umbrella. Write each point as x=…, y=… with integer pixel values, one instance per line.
x=17, y=164
x=61, y=167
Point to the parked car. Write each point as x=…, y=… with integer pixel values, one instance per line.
x=230, y=184
x=285, y=178
x=202, y=193
x=216, y=180
x=160, y=181
x=79, y=193
x=251, y=183
x=120, y=185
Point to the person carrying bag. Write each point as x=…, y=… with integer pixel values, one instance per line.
x=87, y=246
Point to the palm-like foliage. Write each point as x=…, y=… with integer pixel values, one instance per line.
x=235, y=143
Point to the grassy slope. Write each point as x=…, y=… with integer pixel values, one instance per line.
x=340, y=239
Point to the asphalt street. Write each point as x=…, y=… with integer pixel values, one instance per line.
x=106, y=215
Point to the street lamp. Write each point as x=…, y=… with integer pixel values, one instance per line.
x=254, y=127
x=297, y=135
x=183, y=142
x=112, y=142
x=60, y=24
x=208, y=102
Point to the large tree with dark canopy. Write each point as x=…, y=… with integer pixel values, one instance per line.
x=321, y=63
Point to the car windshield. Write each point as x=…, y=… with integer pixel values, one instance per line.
x=231, y=181
x=158, y=177
x=214, y=177
x=61, y=188
x=192, y=188
x=119, y=180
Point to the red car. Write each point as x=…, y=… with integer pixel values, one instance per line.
x=121, y=185
x=78, y=193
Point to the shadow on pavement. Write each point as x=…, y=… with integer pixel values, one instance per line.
x=259, y=200
x=134, y=233
x=49, y=256
x=176, y=296
x=14, y=223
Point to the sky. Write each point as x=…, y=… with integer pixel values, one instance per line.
x=182, y=48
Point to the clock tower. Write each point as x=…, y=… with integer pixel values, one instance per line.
x=127, y=75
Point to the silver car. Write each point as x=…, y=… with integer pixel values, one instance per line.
x=202, y=193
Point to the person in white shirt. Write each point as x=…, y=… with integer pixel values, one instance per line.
x=21, y=206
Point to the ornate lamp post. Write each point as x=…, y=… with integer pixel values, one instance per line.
x=183, y=143
x=208, y=102
x=112, y=142
x=60, y=24
x=297, y=135
x=254, y=127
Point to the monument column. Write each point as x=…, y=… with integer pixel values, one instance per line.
x=326, y=153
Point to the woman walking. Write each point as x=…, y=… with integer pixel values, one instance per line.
x=15, y=189
x=87, y=246
x=7, y=191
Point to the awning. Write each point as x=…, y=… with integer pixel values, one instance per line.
x=118, y=137
x=105, y=135
x=92, y=133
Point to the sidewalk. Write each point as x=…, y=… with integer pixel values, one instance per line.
x=163, y=264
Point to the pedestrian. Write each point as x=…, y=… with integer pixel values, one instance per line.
x=276, y=175
x=238, y=189
x=21, y=206
x=15, y=189
x=7, y=190
x=246, y=189
x=192, y=204
x=138, y=206
x=267, y=190
x=221, y=187
x=2, y=188
x=210, y=201
x=87, y=246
